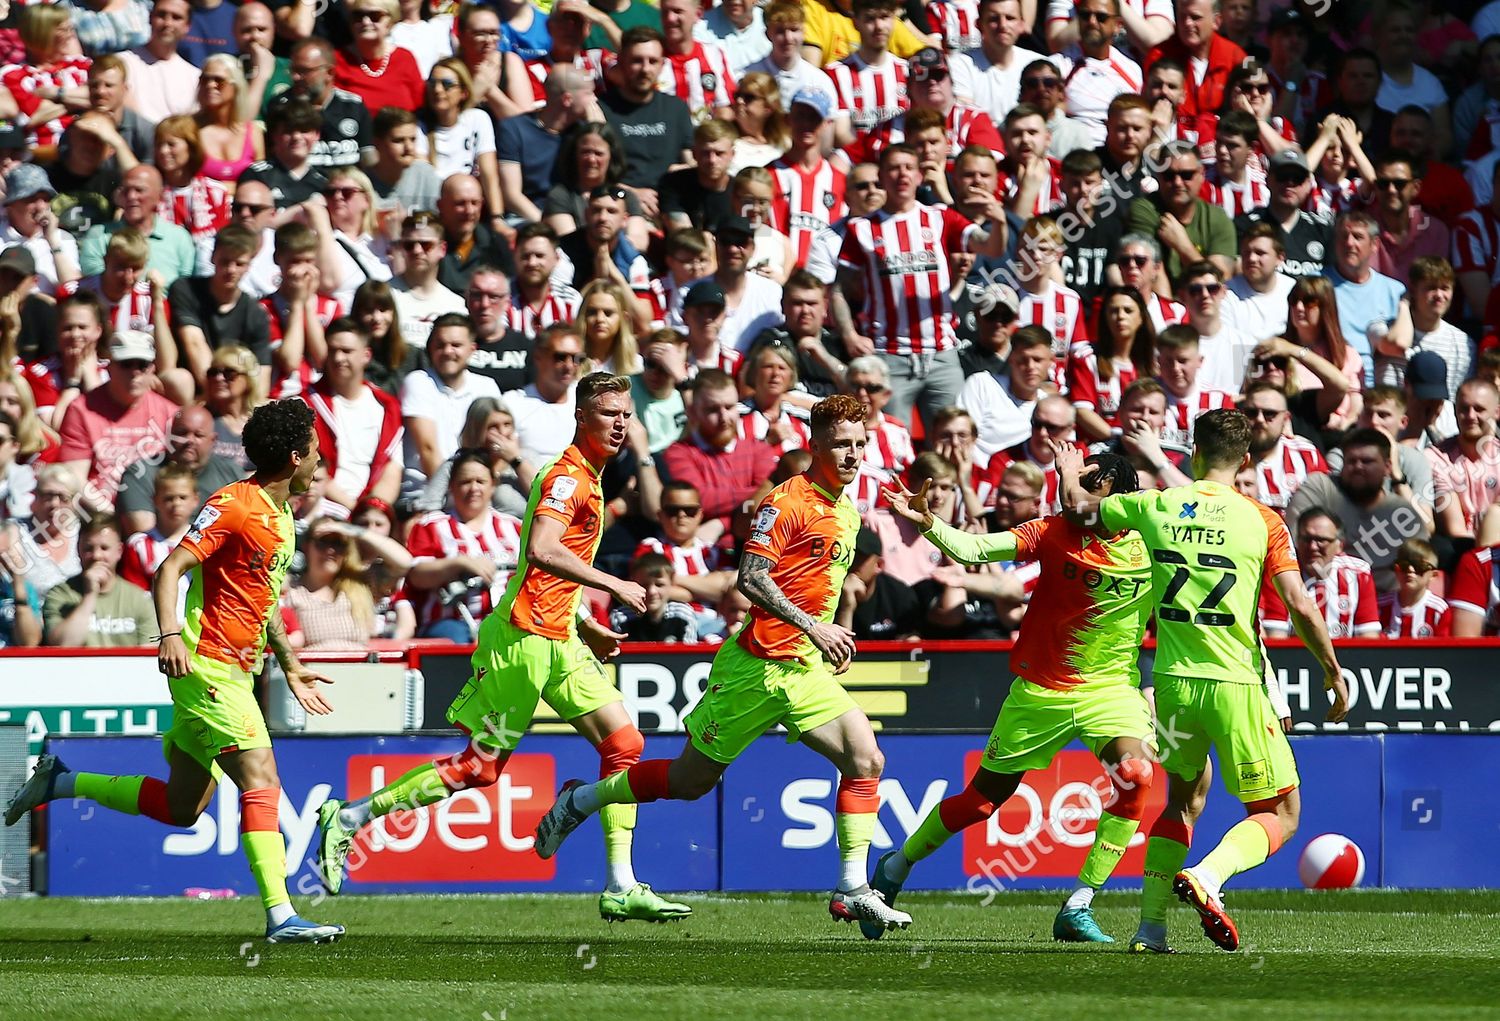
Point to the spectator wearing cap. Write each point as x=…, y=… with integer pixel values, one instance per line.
x=1373, y=311
x=698, y=196
x=1407, y=232
x=469, y=243
x=1196, y=43
x=1189, y=228
x=1375, y=521
x=1305, y=236
x=810, y=191
x=1299, y=90
x=1094, y=72
x=872, y=604
x=724, y=467
x=703, y=321
x=985, y=315
x=138, y=198
x=1430, y=415
x=292, y=132
x=162, y=83
x=819, y=355
x=31, y=223
x=785, y=25
x=752, y=302
x=115, y=425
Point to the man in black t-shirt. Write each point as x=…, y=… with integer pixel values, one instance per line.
x=1307, y=237
x=292, y=131
x=211, y=312
x=500, y=353
x=345, y=134
x=698, y=196
x=656, y=129
x=875, y=605
x=1089, y=240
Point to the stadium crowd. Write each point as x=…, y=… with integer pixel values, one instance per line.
x=1002, y=225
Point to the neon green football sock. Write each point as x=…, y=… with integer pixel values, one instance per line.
x=1111, y=838
x=619, y=832
x=1245, y=846
x=266, y=852
x=613, y=790
x=420, y=786
x=1164, y=858
x=120, y=793
x=930, y=835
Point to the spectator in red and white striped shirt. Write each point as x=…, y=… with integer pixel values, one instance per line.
x=297, y=313
x=1030, y=179
x=700, y=572
x=771, y=373
x=871, y=81
x=175, y=500
x=535, y=301
x=1475, y=594
x=1342, y=585
x=1045, y=302
x=1283, y=460
x=1236, y=183
x=892, y=264
x=124, y=287
x=1417, y=611
x=1178, y=362
x=694, y=71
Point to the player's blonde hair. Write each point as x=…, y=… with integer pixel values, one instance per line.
x=597, y=384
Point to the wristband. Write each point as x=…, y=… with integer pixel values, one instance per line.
x=169, y=634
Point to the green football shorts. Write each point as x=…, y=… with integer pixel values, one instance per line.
x=1237, y=721
x=214, y=712
x=1035, y=723
x=512, y=670
x=747, y=695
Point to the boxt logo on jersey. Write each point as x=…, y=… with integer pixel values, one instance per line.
x=1045, y=829
x=480, y=835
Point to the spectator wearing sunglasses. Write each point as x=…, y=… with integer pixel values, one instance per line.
x=1417, y=611
x=543, y=409
x=1226, y=348
x=420, y=297
x=1041, y=85
x=1094, y=72
x=1282, y=460
x=701, y=572
x=1407, y=233
x=1189, y=229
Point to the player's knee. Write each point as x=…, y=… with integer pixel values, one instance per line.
x=868, y=763
x=1131, y=780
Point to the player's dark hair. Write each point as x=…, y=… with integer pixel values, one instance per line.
x=1114, y=469
x=830, y=411
x=276, y=431
x=1368, y=438
x=1222, y=438
x=597, y=384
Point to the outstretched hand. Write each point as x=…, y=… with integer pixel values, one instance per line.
x=911, y=506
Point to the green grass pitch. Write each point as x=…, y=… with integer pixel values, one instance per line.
x=509, y=958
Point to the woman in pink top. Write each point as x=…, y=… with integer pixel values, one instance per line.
x=229, y=135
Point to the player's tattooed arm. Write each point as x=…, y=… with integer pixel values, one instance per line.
x=280, y=644
x=755, y=582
